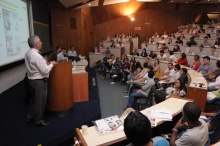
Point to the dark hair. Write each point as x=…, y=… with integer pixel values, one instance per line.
x=183, y=55
x=184, y=70
x=206, y=37
x=192, y=111
x=170, y=64
x=151, y=73
x=213, y=47
x=158, y=60
x=159, y=96
x=138, y=65
x=137, y=128
x=163, y=44
x=189, y=44
x=177, y=66
x=145, y=64
x=71, y=46
x=171, y=52
x=196, y=57
x=218, y=64
x=192, y=38
x=63, y=49
x=201, y=46
x=206, y=57
x=161, y=51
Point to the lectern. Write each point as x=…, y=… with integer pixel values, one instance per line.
x=60, y=88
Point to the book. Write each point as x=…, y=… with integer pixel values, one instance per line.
x=109, y=124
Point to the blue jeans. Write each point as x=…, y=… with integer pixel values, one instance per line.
x=134, y=96
x=211, y=88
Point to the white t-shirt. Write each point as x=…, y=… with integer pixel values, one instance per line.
x=174, y=59
x=164, y=56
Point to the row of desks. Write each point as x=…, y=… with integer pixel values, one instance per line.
x=94, y=139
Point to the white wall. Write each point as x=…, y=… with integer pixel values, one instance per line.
x=11, y=77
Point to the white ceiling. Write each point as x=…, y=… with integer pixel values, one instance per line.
x=93, y=3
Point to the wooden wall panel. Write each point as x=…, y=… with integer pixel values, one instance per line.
x=159, y=21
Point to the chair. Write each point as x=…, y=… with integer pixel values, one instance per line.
x=143, y=103
x=78, y=139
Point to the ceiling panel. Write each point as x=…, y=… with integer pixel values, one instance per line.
x=109, y=2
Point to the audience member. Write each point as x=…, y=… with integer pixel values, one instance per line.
x=192, y=42
x=146, y=47
x=144, y=91
x=213, y=94
x=169, y=41
x=201, y=52
x=162, y=40
x=213, y=52
x=215, y=74
x=176, y=48
x=144, y=53
x=162, y=55
x=165, y=35
x=196, y=64
x=62, y=56
x=206, y=68
x=152, y=54
x=108, y=51
x=156, y=67
x=188, y=49
x=183, y=60
x=54, y=55
x=179, y=89
x=206, y=43
x=159, y=96
x=155, y=35
x=196, y=133
x=137, y=129
x=164, y=47
x=179, y=41
x=135, y=52
x=172, y=58
x=217, y=42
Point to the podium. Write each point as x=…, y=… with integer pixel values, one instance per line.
x=60, y=88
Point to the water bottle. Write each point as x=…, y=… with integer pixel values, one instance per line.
x=74, y=64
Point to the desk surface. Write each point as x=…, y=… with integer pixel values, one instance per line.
x=93, y=139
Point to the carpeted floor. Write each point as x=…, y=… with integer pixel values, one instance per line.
x=15, y=131
x=112, y=99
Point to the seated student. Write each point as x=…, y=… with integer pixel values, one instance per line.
x=144, y=53
x=62, y=56
x=206, y=68
x=172, y=58
x=162, y=55
x=196, y=64
x=164, y=47
x=152, y=41
x=107, y=51
x=192, y=42
x=54, y=55
x=183, y=75
x=72, y=54
x=212, y=86
x=115, y=71
x=178, y=90
x=159, y=96
x=162, y=41
x=179, y=41
x=213, y=126
x=168, y=73
x=155, y=35
x=146, y=47
x=215, y=74
x=135, y=52
x=152, y=54
x=206, y=43
x=165, y=35
x=137, y=129
x=188, y=49
x=99, y=51
x=182, y=36
x=196, y=131
x=182, y=60
x=213, y=52
x=217, y=42
x=113, y=45
x=156, y=67
x=176, y=48
x=143, y=92
x=201, y=52
x=169, y=41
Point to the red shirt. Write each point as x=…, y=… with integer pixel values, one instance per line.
x=183, y=61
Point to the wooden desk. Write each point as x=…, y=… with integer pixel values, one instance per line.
x=80, y=89
x=93, y=139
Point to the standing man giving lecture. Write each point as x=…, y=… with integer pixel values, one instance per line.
x=38, y=73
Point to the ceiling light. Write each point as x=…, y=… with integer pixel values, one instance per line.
x=89, y=4
x=132, y=19
x=186, y=2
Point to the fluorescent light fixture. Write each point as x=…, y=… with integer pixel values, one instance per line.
x=132, y=19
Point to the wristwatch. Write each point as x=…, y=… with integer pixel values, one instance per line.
x=174, y=129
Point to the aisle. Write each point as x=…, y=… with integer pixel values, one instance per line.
x=112, y=101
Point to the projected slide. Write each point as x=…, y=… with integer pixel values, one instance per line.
x=14, y=30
